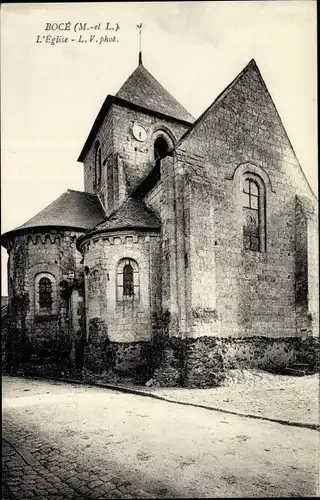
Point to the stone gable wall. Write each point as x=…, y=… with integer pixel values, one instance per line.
x=255, y=292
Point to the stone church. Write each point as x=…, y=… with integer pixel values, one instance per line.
x=192, y=249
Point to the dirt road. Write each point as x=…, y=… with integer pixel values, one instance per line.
x=162, y=449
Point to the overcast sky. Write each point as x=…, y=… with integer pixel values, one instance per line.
x=51, y=94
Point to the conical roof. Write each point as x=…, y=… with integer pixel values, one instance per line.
x=143, y=89
x=133, y=214
x=73, y=209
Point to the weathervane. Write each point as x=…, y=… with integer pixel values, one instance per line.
x=140, y=52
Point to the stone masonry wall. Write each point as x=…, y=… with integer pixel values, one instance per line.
x=255, y=291
x=49, y=334
x=202, y=362
x=115, y=361
x=126, y=321
x=137, y=157
x=106, y=139
x=301, y=271
x=313, y=273
x=125, y=160
x=154, y=199
x=202, y=285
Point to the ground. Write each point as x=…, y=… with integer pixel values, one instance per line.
x=258, y=393
x=73, y=441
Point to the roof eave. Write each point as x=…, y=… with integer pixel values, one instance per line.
x=5, y=237
x=90, y=234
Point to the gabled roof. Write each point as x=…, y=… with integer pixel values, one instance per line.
x=132, y=214
x=73, y=209
x=143, y=89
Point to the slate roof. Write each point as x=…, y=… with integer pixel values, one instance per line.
x=143, y=89
x=132, y=214
x=73, y=209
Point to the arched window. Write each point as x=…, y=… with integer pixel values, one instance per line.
x=45, y=293
x=128, y=289
x=98, y=163
x=253, y=213
x=128, y=286
x=161, y=149
x=110, y=182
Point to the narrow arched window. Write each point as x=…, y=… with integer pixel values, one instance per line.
x=253, y=213
x=45, y=293
x=128, y=286
x=160, y=150
x=110, y=182
x=98, y=164
x=128, y=290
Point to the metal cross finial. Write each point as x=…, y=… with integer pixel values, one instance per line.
x=140, y=52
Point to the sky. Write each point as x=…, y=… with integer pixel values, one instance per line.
x=51, y=94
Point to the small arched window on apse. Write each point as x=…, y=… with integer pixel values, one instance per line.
x=254, y=213
x=45, y=293
x=128, y=286
x=45, y=290
x=97, y=163
x=160, y=149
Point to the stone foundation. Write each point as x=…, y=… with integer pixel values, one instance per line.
x=202, y=362
x=272, y=355
x=116, y=359
x=164, y=362
x=168, y=359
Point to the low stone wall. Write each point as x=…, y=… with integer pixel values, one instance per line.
x=4, y=347
x=308, y=352
x=165, y=361
x=270, y=354
x=258, y=352
x=132, y=358
x=168, y=359
x=202, y=362
x=116, y=359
